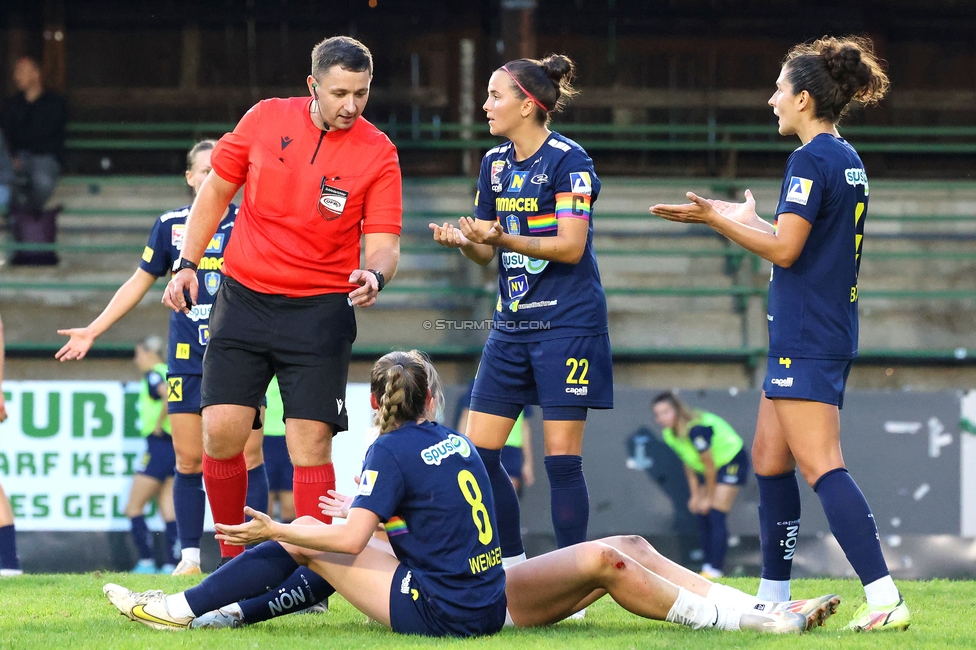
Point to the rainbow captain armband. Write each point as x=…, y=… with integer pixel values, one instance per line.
x=542, y=223
x=572, y=204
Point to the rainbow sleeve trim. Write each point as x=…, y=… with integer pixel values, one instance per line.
x=575, y=206
x=542, y=223
x=396, y=526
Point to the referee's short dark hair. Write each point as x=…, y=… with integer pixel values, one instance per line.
x=343, y=51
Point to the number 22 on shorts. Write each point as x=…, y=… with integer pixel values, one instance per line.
x=580, y=366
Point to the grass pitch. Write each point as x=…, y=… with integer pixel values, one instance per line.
x=62, y=612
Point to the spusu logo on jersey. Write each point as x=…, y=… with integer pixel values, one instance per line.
x=454, y=444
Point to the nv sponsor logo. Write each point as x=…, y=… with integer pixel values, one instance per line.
x=454, y=444
x=782, y=383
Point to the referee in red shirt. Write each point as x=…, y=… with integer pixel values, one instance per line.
x=317, y=177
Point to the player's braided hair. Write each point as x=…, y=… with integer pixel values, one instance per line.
x=548, y=80
x=836, y=72
x=399, y=382
x=191, y=155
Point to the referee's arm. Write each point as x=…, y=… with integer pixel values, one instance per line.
x=205, y=215
x=201, y=224
x=382, y=253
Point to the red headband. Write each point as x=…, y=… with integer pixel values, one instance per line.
x=522, y=88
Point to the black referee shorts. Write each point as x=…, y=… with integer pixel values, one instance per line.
x=306, y=342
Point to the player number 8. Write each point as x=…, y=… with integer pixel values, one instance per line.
x=479, y=513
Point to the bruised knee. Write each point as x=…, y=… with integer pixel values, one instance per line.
x=600, y=559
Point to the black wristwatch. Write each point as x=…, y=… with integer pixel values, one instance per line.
x=183, y=263
x=380, y=280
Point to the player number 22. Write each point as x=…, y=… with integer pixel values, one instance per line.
x=577, y=365
x=479, y=513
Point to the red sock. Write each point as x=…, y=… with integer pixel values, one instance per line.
x=310, y=483
x=226, y=483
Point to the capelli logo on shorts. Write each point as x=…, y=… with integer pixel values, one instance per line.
x=454, y=444
x=577, y=390
x=782, y=383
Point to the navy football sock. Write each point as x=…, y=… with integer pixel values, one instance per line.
x=140, y=535
x=8, y=548
x=704, y=537
x=507, y=512
x=570, y=500
x=720, y=538
x=301, y=590
x=852, y=524
x=779, y=523
x=190, y=503
x=250, y=574
x=257, y=489
x=172, y=543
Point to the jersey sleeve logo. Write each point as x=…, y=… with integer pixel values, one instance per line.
x=367, y=481
x=581, y=183
x=147, y=254
x=182, y=350
x=799, y=190
x=497, y=168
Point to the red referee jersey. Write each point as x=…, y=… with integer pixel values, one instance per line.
x=309, y=196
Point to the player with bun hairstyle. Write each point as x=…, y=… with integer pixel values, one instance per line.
x=815, y=245
x=427, y=526
x=549, y=344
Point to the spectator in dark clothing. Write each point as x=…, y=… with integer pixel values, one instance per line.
x=33, y=123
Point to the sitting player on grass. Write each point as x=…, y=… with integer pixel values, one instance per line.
x=445, y=576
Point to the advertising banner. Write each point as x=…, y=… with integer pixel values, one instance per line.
x=69, y=449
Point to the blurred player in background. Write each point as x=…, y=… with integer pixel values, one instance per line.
x=155, y=479
x=319, y=180
x=188, y=336
x=716, y=465
x=815, y=245
x=276, y=460
x=9, y=562
x=549, y=344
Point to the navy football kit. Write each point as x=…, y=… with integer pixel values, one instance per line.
x=549, y=343
x=188, y=333
x=429, y=487
x=812, y=315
